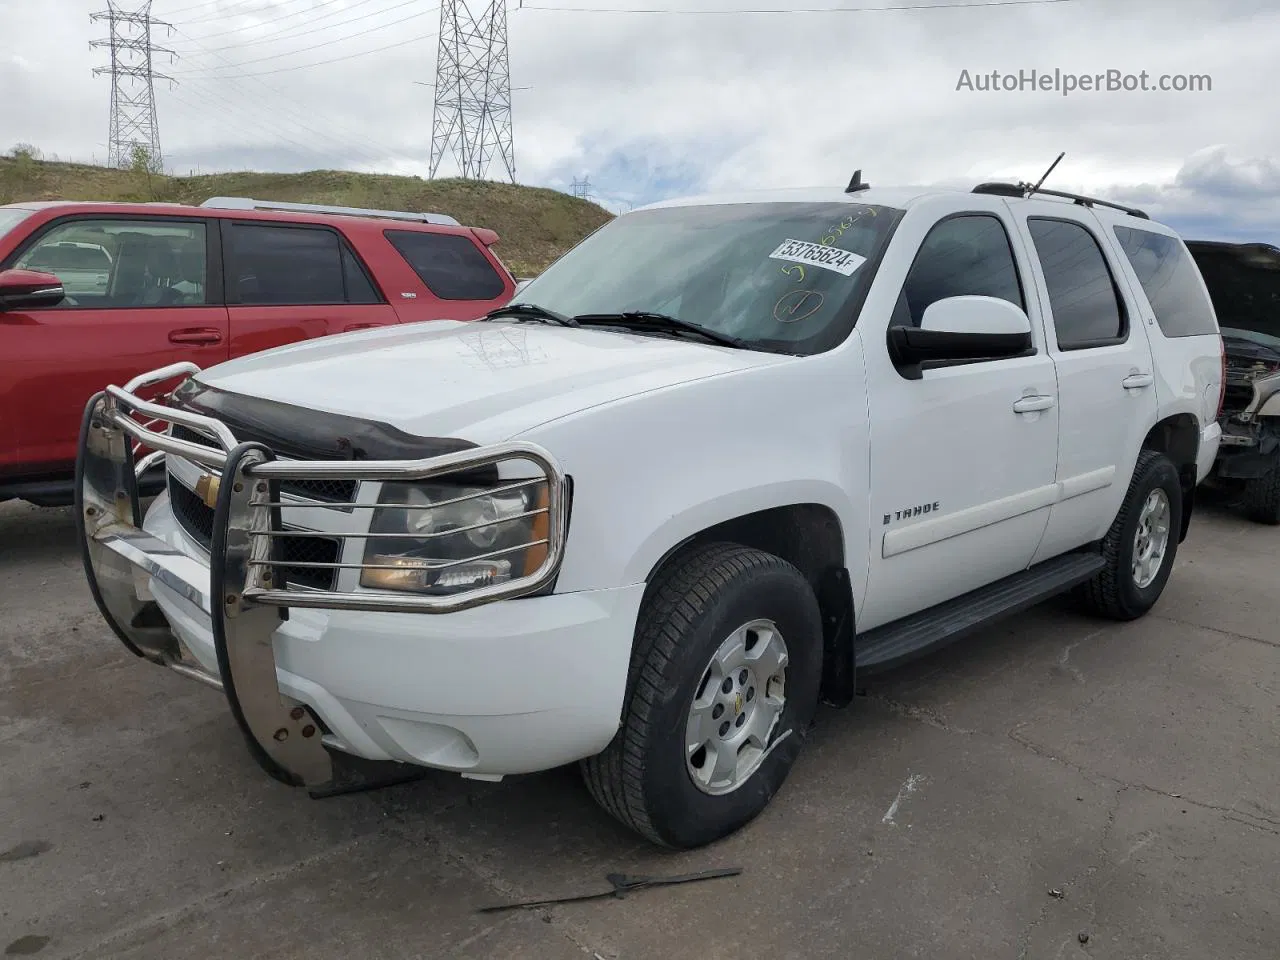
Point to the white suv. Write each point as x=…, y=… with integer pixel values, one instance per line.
x=724, y=453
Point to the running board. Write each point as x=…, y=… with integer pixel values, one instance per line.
x=913, y=636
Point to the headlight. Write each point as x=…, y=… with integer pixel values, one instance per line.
x=437, y=538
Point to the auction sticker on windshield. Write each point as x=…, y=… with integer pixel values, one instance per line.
x=818, y=255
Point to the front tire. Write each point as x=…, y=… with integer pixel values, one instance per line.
x=723, y=685
x=1142, y=543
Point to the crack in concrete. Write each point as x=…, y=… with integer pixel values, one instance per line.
x=1089, y=904
x=924, y=715
x=1218, y=630
x=1229, y=813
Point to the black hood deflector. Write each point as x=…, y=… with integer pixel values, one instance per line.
x=302, y=433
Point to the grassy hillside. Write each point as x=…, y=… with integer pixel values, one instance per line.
x=536, y=224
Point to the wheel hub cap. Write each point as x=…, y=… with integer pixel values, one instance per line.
x=739, y=699
x=1151, y=540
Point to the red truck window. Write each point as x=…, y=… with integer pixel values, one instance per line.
x=122, y=263
x=275, y=265
x=450, y=265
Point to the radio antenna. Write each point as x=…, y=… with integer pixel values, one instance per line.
x=1040, y=182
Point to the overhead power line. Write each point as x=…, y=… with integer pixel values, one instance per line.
x=214, y=71
x=223, y=14
x=300, y=115
x=289, y=33
x=319, y=63
x=963, y=5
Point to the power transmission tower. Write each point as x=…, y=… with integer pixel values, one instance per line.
x=133, y=99
x=473, y=89
x=581, y=188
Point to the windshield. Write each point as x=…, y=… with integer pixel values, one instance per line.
x=782, y=277
x=10, y=217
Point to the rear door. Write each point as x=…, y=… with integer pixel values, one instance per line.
x=287, y=282
x=139, y=296
x=1106, y=381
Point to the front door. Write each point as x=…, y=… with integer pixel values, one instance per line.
x=295, y=281
x=137, y=299
x=1106, y=380
x=961, y=480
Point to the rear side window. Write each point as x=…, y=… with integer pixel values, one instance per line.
x=961, y=256
x=1171, y=281
x=274, y=265
x=450, y=265
x=1087, y=310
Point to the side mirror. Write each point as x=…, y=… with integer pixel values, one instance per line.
x=958, y=329
x=28, y=290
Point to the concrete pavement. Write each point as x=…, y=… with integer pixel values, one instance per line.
x=1056, y=788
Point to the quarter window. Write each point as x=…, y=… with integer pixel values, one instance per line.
x=1171, y=281
x=968, y=255
x=274, y=265
x=1087, y=310
x=450, y=265
x=123, y=263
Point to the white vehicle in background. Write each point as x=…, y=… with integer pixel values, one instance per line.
x=719, y=457
x=84, y=268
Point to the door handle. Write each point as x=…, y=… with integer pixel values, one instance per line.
x=1136, y=381
x=1032, y=404
x=196, y=335
x=357, y=326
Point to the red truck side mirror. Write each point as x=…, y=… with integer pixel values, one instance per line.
x=29, y=289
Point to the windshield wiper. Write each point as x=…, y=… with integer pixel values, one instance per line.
x=531, y=311
x=662, y=321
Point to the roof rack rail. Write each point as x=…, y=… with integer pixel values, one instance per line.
x=248, y=203
x=1024, y=190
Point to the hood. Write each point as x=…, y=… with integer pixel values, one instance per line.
x=1243, y=280
x=480, y=381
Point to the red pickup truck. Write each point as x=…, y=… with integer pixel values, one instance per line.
x=96, y=293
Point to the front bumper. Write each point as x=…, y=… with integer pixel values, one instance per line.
x=508, y=682
x=509, y=687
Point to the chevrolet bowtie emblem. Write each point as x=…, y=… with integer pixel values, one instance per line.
x=207, y=490
x=737, y=704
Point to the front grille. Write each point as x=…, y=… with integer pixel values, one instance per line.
x=191, y=513
x=326, y=491
x=307, y=550
x=196, y=520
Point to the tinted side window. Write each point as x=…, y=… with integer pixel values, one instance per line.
x=278, y=266
x=360, y=288
x=450, y=265
x=1171, y=281
x=1086, y=307
x=961, y=256
x=123, y=263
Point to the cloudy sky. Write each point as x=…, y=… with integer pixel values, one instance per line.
x=649, y=100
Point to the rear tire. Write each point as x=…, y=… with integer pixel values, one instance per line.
x=728, y=654
x=1262, y=498
x=1141, y=545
